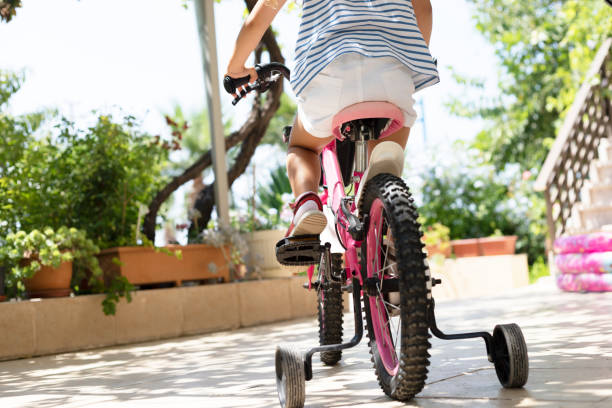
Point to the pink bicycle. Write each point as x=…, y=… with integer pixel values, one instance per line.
x=383, y=266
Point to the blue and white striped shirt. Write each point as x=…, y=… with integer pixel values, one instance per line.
x=373, y=28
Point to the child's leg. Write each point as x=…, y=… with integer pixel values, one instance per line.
x=400, y=137
x=303, y=164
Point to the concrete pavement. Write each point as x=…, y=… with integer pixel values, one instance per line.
x=568, y=336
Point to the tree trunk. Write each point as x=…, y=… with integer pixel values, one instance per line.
x=250, y=134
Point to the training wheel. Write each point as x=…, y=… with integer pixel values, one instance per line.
x=290, y=377
x=511, y=360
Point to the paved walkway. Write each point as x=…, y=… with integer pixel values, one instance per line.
x=568, y=335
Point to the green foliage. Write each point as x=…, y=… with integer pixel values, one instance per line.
x=103, y=175
x=273, y=199
x=545, y=48
x=94, y=179
x=8, y=9
x=475, y=201
x=119, y=287
x=538, y=270
x=23, y=254
x=284, y=116
x=435, y=234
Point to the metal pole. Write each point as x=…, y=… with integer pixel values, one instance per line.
x=205, y=16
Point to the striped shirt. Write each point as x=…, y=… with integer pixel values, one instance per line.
x=372, y=28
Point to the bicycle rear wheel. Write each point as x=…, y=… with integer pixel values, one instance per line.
x=395, y=297
x=330, y=310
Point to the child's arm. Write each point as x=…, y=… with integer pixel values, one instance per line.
x=422, y=11
x=250, y=35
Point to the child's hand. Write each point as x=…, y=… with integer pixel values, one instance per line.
x=241, y=72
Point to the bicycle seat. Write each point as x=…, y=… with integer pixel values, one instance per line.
x=369, y=110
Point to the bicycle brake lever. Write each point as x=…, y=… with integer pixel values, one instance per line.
x=248, y=88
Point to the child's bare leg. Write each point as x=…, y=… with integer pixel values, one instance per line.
x=400, y=137
x=303, y=164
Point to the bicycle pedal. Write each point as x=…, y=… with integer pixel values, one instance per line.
x=299, y=251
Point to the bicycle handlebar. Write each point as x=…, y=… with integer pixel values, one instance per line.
x=266, y=75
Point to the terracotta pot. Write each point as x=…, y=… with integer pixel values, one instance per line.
x=50, y=282
x=484, y=246
x=437, y=250
x=498, y=245
x=142, y=265
x=465, y=247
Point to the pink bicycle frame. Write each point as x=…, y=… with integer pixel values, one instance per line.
x=332, y=177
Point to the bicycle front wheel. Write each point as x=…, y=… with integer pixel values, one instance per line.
x=395, y=287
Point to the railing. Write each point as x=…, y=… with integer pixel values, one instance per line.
x=567, y=165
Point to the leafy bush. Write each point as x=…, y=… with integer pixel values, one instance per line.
x=94, y=179
x=474, y=201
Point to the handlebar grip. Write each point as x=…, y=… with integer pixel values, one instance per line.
x=230, y=84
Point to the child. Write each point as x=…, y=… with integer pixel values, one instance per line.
x=348, y=51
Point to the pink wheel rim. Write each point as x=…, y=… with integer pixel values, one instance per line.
x=379, y=314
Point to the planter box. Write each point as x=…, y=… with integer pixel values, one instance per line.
x=464, y=278
x=50, y=282
x=262, y=246
x=465, y=247
x=498, y=245
x=142, y=265
x=436, y=250
x=484, y=246
x=48, y=326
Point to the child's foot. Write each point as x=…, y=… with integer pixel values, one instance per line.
x=308, y=216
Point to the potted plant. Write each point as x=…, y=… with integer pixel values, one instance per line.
x=39, y=263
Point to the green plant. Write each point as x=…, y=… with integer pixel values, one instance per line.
x=538, y=270
x=92, y=179
x=475, y=201
x=273, y=200
x=8, y=9
x=436, y=234
x=45, y=248
x=238, y=255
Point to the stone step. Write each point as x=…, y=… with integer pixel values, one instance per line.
x=605, y=151
x=604, y=172
x=595, y=217
x=607, y=154
x=596, y=193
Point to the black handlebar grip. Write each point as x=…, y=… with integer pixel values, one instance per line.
x=230, y=84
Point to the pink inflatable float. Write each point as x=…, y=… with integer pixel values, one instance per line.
x=585, y=282
x=585, y=262
x=587, y=243
x=594, y=262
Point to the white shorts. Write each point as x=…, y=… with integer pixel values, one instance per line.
x=352, y=78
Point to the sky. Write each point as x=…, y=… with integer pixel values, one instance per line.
x=142, y=57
